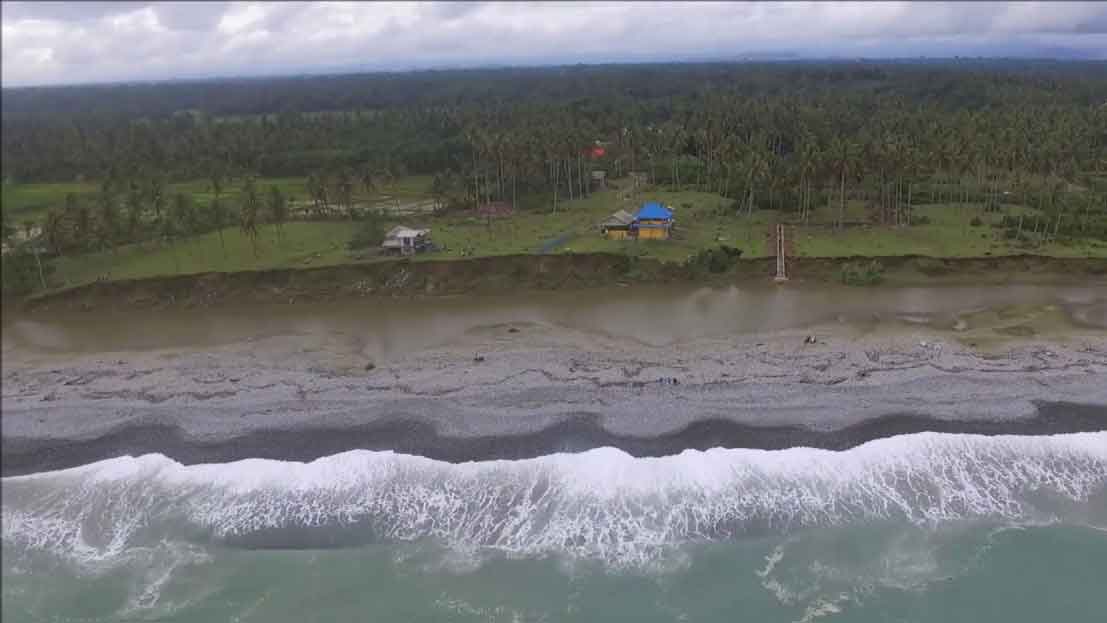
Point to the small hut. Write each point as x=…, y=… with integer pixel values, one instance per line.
x=618, y=225
x=653, y=222
x=406, y=241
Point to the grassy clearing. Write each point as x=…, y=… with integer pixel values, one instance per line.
x=202, y=193
x=704, y=220
x=525, y=232
x=410, y=186
x=32, y=201
x=700, y=225
x=948, y=234
x=295, y=189
x=303, y=244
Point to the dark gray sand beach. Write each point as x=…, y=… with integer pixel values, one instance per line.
x=649, y=371
x=651, y=454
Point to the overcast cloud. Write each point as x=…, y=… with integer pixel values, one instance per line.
x=54, y=43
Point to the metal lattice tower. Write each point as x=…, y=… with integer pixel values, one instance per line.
x=781, y=272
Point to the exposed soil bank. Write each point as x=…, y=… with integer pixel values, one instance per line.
x=573, y=435
x=492, y=275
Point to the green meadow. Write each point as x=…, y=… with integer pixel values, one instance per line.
x=704, y=220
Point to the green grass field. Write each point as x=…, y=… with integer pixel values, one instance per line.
x=32, y=201
x=576, y=223
x=703, y=221
x=202, y=193
x=303, y=244
x=948, y=234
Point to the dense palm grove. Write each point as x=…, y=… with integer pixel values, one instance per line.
x=788, y=136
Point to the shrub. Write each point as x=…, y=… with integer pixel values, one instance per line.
x=727, y=207
x=862, y=273
x=976, y=222
x=20, y=273
x=369, y=234
x=718, y=260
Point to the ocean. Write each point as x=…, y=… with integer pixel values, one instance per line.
x=926, y=527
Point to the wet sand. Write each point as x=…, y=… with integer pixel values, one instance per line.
x=512, y=383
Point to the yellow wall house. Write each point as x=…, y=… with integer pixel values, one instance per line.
x=653, y=222
x=618, y=226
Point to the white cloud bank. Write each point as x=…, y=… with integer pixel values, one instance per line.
x=55, y=43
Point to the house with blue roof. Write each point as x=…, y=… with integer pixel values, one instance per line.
x=653, y=222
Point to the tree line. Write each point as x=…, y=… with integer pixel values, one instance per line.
x=975, y=83
x=418, y=121
x=124, y=212
x=794, y=137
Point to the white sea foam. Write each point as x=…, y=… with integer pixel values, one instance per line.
x=601, y=504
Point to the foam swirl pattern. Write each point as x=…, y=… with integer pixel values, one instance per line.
x=601, y=504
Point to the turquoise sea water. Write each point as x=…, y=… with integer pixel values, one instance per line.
x=926, y=527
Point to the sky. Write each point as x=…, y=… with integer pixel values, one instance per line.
x=81, y=42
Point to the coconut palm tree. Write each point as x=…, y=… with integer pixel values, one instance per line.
x=133, y=205
x=278, y=210
x=219, y=217
x=168, y=230
x=844, y=156
x=344, y=184
x=54, y=228
x=107, y=231
x=757, y=167
x=809, y=157
x=368, y=181
x=156, y=192
x=249, y=208
x=183, y=213
x=438, y=189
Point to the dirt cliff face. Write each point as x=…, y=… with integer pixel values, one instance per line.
x=492, y=275
x=399, y=278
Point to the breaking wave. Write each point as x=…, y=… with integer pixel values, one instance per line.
x=601, y=505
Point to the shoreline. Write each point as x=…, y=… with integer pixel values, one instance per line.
x=571, y=435
x=436, y=278
x=542, y=389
